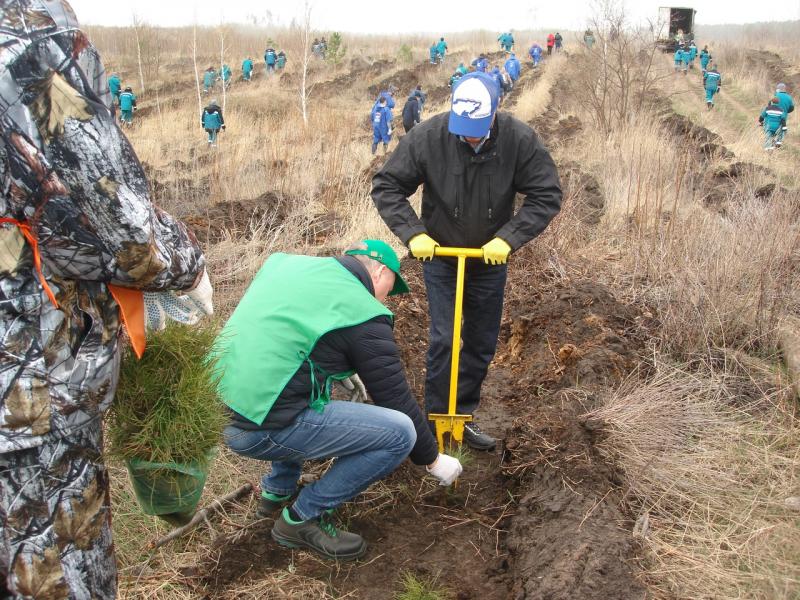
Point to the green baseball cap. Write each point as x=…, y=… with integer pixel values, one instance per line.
x=383, y=253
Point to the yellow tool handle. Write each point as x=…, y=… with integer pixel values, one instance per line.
x=456, y=252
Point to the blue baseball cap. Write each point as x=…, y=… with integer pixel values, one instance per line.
x=473, y=105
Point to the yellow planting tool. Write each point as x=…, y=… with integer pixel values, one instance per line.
x=451, y=422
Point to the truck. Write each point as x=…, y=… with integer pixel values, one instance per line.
x=675, y=20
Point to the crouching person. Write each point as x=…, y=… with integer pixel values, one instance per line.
x=303, y=323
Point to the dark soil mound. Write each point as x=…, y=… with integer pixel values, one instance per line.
x=573, y=336
x=569, y=537
x=365, y=70
x=404, y=80
x=720, y=185
x=780, y=71
x=239, y=218
x=582, y=190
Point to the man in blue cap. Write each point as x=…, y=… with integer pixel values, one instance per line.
x=279, y=353
x=471, y=162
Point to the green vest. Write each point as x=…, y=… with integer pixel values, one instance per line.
x=292, y=302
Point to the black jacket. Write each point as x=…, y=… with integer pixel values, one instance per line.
x=468, y=198
x=411, y=114
x=370, y=350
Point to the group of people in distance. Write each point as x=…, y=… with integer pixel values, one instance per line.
x=773, y=117
x=438, y=51
x=684, y=60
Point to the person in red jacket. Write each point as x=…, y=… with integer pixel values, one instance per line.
x=551, y=41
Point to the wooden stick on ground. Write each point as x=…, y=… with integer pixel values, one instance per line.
x=201, y=515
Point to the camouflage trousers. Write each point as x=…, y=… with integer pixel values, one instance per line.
x=55, y=520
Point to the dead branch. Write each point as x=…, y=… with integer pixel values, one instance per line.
x=202, y=515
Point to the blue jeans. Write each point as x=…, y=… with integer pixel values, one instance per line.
x=484, y=289
x=369, y=442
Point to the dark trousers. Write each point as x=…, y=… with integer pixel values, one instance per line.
x=484, y=288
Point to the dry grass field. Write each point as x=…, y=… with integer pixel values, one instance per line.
x=651, y=434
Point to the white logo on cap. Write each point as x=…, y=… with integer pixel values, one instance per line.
x=472, y=99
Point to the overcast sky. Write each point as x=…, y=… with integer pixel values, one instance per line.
x=371, y=16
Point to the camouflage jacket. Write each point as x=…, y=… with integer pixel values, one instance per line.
x=68, y=172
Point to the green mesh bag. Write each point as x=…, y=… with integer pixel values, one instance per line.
x=168, y=490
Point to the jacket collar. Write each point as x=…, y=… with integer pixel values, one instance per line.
x=488, y=150
x=358, y=271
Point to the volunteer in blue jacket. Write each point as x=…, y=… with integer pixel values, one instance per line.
x=513, y=67
x=381, y=118
x=212, y=121
x=209, y=79
x=471, y=161
x=247, y=69
x=127, y=104
x=303, y=323
x=685, y=59
x=786, y=102
x=705, y=58
x=441, y=49
x=712, y=82
x=773, y=119
x=481, y=63
x=535, y=53
x=498, y=77
x=225, y=75
x=434, y=52
x=115, y=87
x=677, y=58
x=270, y=59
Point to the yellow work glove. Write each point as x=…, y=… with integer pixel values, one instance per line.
x=422, y=246
x=496, y=252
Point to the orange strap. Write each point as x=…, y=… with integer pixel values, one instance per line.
x=130, y=301
x=25, y=229
x=131, y=307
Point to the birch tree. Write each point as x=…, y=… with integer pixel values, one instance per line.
x=305, y=44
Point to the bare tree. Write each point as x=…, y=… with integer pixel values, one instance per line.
x=618, y=71
x=305, y=43
x=196, y=72
x=222, y=65
x=137, y=25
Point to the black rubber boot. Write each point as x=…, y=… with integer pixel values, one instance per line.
x=477, y=439
x=318, y=535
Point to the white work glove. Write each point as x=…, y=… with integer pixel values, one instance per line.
x=186, y=308
x=446, y=469
x=354, y=385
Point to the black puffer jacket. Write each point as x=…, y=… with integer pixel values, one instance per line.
x=370, y=350
x=468, y=198
x=411, y=112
